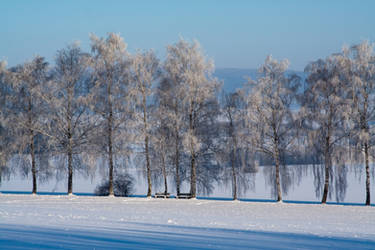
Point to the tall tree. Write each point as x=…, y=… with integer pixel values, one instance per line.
x=110, y=64
x=270, y=117
x=324, y=106
x=194, y=71
x=362, y=73
x=68, y=97
x=170, y=95
x=144, y=73
x=28, y=81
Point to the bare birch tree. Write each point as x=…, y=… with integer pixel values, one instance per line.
x=144, y=73
x=170, y=94
x=270, y=117
x=229, y=155
x=162, y=147
x=28, y=81
x=5, y=136
x=110, y=65
x=324, y=106
x=362, y=90
x=200, y=89
x=69, y=121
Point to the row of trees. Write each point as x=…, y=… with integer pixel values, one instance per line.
x=109, y=105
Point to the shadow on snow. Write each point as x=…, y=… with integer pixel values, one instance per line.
x=151, y=236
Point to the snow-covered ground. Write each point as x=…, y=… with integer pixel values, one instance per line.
x=44, y=221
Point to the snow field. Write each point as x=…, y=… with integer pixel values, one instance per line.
x=113, y=216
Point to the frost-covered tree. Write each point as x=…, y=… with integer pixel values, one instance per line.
x=5, y=136
x=68, y=122
x=362, y=93
x=199, y=103
x=229, y=153
x=144, y=73
x=170, y=95
x=324, y=109
x=26, y=110
x=162, y=146
x=270, y=117
x=188, y=90
x=235, y=153
x=110, y=66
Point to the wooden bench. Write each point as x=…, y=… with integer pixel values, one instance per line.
x=162, y=195
x=184, y=196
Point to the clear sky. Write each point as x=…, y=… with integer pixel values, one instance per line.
x=234, y=33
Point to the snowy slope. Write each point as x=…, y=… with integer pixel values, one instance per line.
x=103, y=222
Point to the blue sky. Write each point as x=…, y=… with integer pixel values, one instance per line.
x=234, y=33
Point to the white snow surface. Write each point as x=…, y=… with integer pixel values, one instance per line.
x=51, y=221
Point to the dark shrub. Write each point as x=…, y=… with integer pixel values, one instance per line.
x=123, y=185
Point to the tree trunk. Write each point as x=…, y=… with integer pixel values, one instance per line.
x=33, y=162
x=233, y=156
x=365, y=128
x=193, y=173
x=177, y=152
x=110, y=149
x=193, y=181
x=32, y=148
x=277, y=165
x=70, y=144
x=177, y=164
x=368, y=200
x=148, y=168
x=276, y=157
x=70, y=172
x=164, y=175
x=111, y=193
x=234, y=175
x=177, y=161
x=327, y=166
x=110, y=155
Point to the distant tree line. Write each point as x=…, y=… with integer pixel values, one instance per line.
x=109, y=106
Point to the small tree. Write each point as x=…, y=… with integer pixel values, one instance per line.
x=162, y=147
x=270, y=116
x=230, y=149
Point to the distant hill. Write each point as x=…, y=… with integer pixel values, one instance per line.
x=234, y=78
